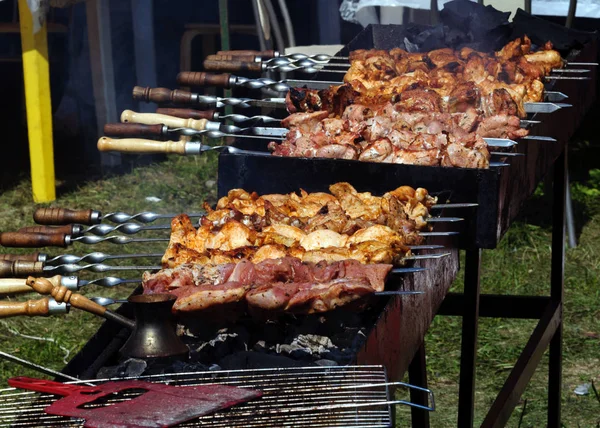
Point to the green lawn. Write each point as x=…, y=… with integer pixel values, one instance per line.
x=519, y=266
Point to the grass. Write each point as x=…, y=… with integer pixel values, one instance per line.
x=521, y=265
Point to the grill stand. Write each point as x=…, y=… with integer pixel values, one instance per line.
x=547, y=334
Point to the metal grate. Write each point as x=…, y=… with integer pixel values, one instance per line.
x=348, y=396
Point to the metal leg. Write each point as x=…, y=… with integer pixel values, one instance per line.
x=417, y=375
x=468, y=352
x=557, y=289
x=569, y=213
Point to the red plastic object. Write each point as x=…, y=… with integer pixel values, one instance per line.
x=160, y=406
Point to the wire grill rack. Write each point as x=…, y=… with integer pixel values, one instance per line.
x=348, y=396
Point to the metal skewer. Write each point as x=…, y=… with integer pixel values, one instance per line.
x=306, y=64
x=164, y=94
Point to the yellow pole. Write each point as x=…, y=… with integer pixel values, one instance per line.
x=39, y=110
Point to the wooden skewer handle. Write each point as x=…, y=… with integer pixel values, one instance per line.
x=19, y=285
x=200, y=78
x=69, y=229
x=133, y=130
x=20, y=268
x=32, y=257
x=162, y=95
x=263, y=54
x=226, y=57
x=33, y=240
x=129, y=116
x=232, y=66
x=30, y=308
x=139, y=145
x=64, y=295
x=187, y=113
x=60, y=216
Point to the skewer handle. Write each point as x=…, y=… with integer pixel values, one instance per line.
x=200, y=78
x=19, y=285
x=129, y=116
x=162, y=95
x=227, y=57
x=33, y=240
x=231, y=66
x=32, y=257
x=69, y=229
x=30, y=308
x=20, y=268
x=263, y=54
x=139, y=145
x=63, y=295
x=61, y=216
x=133, y=130
x=187, y=113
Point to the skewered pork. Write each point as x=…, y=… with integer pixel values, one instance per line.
x=283, y=284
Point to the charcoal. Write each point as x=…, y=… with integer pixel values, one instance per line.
x=131, y=367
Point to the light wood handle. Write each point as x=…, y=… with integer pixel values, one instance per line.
x=63, y=295
x=32, y=240
x=187, y=113
x=129, y=116
x=200, y=78
x=60, y=216
x=20, y=268
x=139, y=145
x=30, y=308
x=32, y=257
x=19, y=285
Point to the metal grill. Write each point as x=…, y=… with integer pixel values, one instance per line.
x=348, y=396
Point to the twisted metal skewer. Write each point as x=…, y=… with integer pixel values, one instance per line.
x=261, y=83
x=108, y=281
x=92, y=240
x=94, y=267
x=96, y=257
x=143, y=217
x=260, y=118
x=126, y=228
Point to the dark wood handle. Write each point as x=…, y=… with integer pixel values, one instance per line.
x=20, y=268
x=60, y=216
x=187, y=113
x=232, y=66
x=30, y=308
x=32, y=257
x=200, y=78
x=244, y=58
x=262, y=54
x=68, y=229
x=32, y=240
x=133, y=130
x=162, y=95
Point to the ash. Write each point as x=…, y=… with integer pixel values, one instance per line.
x=331, y=339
